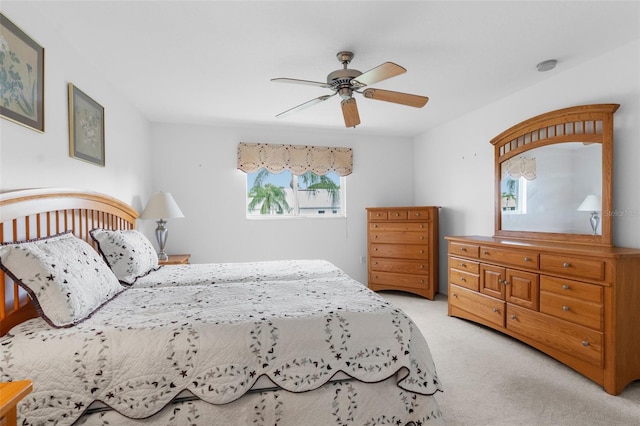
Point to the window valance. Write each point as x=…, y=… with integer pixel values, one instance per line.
x=296, y=158
x=519, y=166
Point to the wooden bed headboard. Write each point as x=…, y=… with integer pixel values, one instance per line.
x=36, y=213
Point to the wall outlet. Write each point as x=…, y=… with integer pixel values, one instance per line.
x=363, y=259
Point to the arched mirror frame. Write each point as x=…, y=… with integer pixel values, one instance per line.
x=586, y=123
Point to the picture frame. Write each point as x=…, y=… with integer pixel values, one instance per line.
x=86, y=127
x=21, y=77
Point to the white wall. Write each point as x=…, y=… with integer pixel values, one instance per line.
x=454, y=162
x=29, y=159
x=197, y=165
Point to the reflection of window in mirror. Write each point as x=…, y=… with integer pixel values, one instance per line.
x=514, y=195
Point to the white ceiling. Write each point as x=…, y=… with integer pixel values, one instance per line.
x=210, y=62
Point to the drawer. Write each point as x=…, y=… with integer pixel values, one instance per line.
x=397, y=226
x=378, y=215
x=577, y=311
x=485, y=307
x=397, y=214
x=525, y=259
x=413, y=251
x=419, y=215
x=463, y=249
x=399, y=266
x=390, y=279
x=572, y=289
x=464, y=265
x=464, y=279
x=399, y=237
x=577, y=341
x=573, y=266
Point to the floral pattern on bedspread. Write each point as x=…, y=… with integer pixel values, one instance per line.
x=213, y=273
x=147, y=345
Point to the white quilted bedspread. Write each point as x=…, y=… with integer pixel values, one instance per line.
x=148, y=344
x=215, y=273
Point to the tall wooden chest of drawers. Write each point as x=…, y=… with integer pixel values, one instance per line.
x=578, y=303
x=403, y=249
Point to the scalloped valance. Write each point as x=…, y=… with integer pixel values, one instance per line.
x=519, y=166
x=296, y=158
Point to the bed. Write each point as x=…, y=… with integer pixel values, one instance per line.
x=124, y=341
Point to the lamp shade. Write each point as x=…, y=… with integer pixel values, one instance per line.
x=593, y=203
x=161, y=205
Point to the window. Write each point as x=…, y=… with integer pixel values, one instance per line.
x=514, y=195
x=287, y=195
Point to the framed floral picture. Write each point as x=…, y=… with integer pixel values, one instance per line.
x=86, y=127
x=21, y=77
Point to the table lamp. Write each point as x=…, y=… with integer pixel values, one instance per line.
x=593, y=204
x=161, y=206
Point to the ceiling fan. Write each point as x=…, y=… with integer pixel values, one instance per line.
x=345, y=82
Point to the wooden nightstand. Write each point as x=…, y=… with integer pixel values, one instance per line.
x=10, y=394
x=175, y=259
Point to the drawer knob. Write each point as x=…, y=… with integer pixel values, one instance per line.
x=421, y=266
x=565, y=308
x=463, y=265
x=421, y=226
x=375, y=249
x=585, y=343
x=485, y=253
x=527, y=259
x=463, y=249
x=421, y=281
x=513, y=317
x=566, y=265
x=495, y=309
x=421, y=251
x=455, y=295
x=566, y=287
x=375, y=236
x=463, y=279
x=421, y=237
x=397, y=214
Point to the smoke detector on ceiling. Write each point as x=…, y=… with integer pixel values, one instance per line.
x=547, y=65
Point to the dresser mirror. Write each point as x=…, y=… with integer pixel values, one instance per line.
x=553, y=176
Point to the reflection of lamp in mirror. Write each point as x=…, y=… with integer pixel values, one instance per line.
x=593, y=204
x=161, y=206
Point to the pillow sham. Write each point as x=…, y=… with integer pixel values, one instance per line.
x=65, y=277
x=129, y=254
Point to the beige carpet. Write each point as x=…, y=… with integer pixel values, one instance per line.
x=492, y=379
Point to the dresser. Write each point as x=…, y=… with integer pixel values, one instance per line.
x=577, y=303
x=402, y=249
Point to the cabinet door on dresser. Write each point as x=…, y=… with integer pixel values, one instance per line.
x=403, y=249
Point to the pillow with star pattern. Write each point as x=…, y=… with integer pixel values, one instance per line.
x=129, y=253
x=65, y=277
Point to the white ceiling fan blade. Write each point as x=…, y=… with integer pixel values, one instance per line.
x=296, y=81
x=377, y=74
x=304, y=105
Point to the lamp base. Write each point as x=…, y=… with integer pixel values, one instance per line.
x=161, y=236
x=595, y=221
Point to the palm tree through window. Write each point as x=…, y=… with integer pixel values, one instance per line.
x=285, y=194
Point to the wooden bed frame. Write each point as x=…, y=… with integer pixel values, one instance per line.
x=37, y=213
